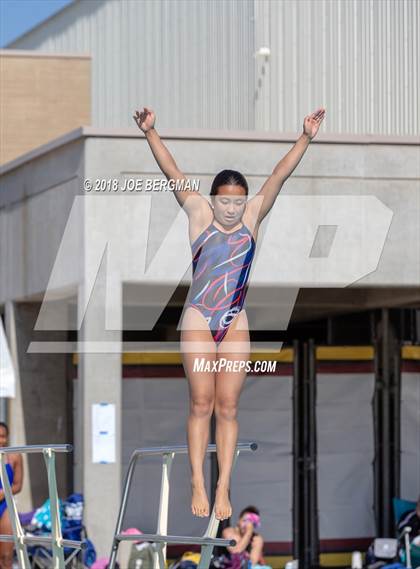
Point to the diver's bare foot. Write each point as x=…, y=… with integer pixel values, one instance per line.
x=222, y=506
x=199, y=503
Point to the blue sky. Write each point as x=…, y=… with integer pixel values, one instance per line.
x=19, y=16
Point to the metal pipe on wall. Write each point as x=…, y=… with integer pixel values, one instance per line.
x=305, y=425
x=386, y=469
x=377, y=461
x=312, y=463
x=396, y=400
x=297, y=373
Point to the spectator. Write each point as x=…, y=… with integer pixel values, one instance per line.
x=249, y=543
x=14, y=468
x=411, y=519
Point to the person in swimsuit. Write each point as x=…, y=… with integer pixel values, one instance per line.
x=221, y=267
x=214, y=324
x=14, y=470
x=249, y=543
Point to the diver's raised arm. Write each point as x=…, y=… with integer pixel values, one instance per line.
x=188, y=199
x=285, y=166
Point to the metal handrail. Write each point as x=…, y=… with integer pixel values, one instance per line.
x=183, y=449
x=36, y=448
x=45, y=540
x=175, y=539
x=207, y=541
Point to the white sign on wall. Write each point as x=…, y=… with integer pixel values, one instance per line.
x=103, y=432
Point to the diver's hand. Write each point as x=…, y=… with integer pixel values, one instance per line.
x=145, y=120
x=312, y=122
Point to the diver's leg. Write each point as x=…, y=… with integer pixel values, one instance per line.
x=201, y=386
x=229, y=385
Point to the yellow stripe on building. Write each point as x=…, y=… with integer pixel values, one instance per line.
x=410, y=352
x=173, y=358
x=344, y=353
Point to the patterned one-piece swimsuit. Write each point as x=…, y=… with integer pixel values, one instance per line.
x=221, y=266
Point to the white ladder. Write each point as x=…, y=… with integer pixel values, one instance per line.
x=55, y=540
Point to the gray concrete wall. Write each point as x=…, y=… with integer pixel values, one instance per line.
x=36, y=197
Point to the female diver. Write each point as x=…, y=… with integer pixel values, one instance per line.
x=214, y=323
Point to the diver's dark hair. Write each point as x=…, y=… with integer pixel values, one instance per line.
x=4, y=425
x=251, y=510
x=228, y=178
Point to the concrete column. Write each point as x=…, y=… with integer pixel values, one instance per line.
x=99, y=378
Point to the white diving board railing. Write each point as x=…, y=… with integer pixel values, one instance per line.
x=55, y=540
x=208, y=541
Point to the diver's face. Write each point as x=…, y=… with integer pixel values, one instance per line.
x=229, y=204
x=3, y=437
